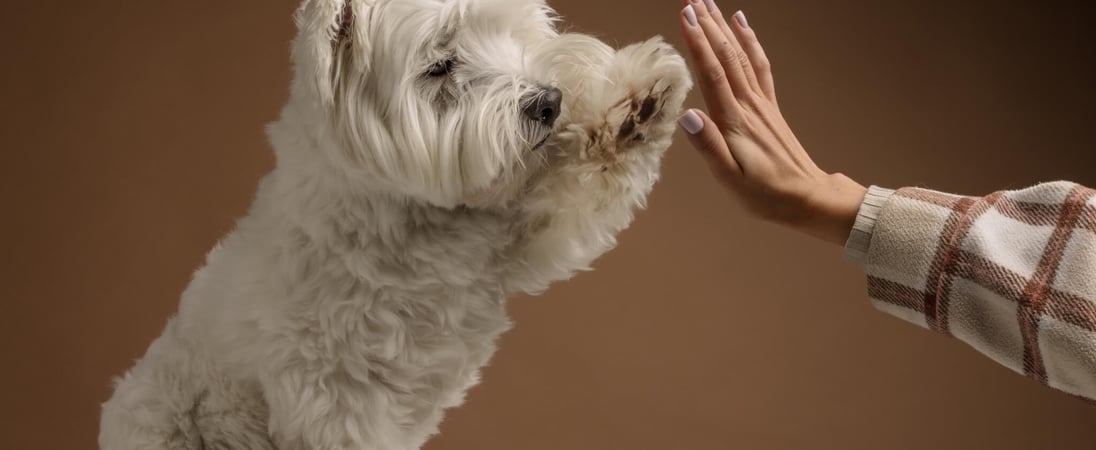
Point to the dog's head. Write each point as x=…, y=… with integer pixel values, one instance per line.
x=444, y=101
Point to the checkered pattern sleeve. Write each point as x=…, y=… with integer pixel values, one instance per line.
x=1012, y=274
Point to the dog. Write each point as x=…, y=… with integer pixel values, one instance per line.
x=434, y=157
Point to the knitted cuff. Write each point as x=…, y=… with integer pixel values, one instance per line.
x=856, y=248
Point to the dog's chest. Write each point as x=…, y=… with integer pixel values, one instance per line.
x=413, y=303
x=427, y=347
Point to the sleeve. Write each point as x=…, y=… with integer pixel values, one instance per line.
x=1012, y=274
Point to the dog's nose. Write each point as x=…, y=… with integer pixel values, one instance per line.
x=544, y=107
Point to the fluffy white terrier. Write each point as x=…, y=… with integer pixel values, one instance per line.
x=434, y=157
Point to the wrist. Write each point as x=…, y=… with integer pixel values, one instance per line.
x=834, y=205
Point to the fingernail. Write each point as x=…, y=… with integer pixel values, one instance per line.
x=690, y=15
x=691, y=122
x=711, y=5
x=741, y=18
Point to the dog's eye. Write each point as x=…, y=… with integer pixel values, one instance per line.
x=440, y=68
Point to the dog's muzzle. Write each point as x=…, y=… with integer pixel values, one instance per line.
x=543, y=107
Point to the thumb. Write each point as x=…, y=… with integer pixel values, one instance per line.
x=705, y=137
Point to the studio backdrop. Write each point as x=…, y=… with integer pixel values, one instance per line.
x=132, y=138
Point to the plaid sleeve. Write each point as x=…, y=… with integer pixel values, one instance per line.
x=1012, y=274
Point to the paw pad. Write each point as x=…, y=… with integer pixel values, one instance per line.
x=641, y=113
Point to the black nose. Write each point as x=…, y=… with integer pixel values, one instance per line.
x=544, y=106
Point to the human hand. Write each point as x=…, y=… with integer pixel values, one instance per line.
x=749, y=147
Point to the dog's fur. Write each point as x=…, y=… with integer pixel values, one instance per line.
x=365, y=288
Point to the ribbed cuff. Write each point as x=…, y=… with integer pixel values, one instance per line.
x=856, y=248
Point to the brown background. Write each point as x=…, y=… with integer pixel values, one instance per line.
x=132, y=136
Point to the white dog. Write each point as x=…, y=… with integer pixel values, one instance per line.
x=434, y=157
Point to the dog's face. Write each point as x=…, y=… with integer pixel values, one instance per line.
x=445, y=101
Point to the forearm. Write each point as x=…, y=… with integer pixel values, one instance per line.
x=1012, y=274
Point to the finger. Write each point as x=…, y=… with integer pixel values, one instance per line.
x=706, y=138
x=727, y=50
x=748, y=68
x=709, y=71
x=760, y=63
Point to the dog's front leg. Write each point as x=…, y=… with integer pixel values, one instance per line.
x=617, y=122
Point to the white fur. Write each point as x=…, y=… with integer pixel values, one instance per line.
x=365, y=288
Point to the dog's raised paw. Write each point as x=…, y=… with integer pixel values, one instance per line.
x=643, y=110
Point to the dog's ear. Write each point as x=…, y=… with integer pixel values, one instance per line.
x=330, y=41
